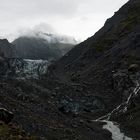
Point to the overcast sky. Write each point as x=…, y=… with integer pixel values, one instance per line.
x=78, y=18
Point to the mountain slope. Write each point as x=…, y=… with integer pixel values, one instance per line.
x=106, y=66
x=6, y=49
x=111, y=48
x=42, y=46
x=124, y=22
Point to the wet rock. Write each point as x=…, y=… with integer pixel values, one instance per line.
x=121, y=80
x=134, y=68
x=5, y=115
x=128, y=82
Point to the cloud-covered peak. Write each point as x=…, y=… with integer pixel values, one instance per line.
x=46, y=32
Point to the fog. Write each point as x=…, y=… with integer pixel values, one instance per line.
x=78, y=18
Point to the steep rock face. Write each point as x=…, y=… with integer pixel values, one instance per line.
x=116, y=32
x=107, y=66
x=94, y=61
x=6, y=49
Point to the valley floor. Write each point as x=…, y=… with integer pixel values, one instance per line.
x=40, y=111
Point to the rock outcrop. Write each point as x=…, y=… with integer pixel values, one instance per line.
x=6, y=49
x=5, y=115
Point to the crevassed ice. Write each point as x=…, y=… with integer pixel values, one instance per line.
x=32, y=69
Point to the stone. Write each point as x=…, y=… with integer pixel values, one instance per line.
x=134, y=68
x=5, y=115
x=69, y=107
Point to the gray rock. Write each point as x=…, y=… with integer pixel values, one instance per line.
x=134, y=68
x=5, y=115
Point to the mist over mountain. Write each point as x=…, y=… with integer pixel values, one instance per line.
x=35, y=44
x=90, y=92
x=29, y=55
x=6, y=49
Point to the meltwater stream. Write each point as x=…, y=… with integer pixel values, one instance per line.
x=115, y=131
x=123, y=107
x=114, y=127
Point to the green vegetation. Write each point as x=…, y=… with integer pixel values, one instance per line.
x=119, y=30
x=104, y=43
x=13, y=132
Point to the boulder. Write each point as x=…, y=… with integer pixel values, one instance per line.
x=5, y=115
x=67, y=107
x=134, y=68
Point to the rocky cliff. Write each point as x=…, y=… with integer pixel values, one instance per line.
x=6, y=49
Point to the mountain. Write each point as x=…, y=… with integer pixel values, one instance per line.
x=92, y=92
x=11, y=66
x=114, y=47
x=43, y=46
x=108, y=40
x=106, y=67
x=6, y=49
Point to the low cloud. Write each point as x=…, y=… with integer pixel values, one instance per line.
x=45, y=31
x=64, y=15
x=32, y=31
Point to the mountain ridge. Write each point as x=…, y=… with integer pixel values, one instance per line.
x=43, y=46
x=101, y=63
